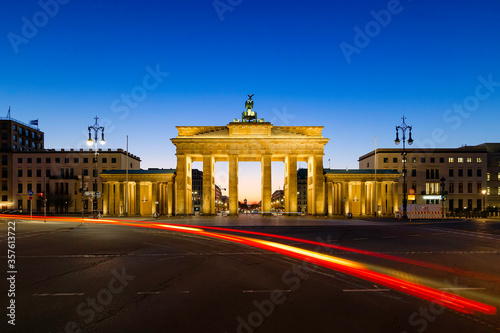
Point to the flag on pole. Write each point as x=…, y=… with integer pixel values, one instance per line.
x=34, y=122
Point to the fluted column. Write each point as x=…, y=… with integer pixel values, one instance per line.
x=233, y=185
x=208, y=185
x=170, y=197
x=362, y=198
x=105, y=199
x=329, y=186
x=183, y=185
x=390, y=200
x=138, y=198
x=291, y=196
x=266, y=188
x=154, y=196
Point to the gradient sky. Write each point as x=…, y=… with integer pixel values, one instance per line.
x=427, y=60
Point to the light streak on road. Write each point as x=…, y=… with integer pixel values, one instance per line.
x=440, y=297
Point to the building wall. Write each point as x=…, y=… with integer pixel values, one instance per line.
x=59, y=175
x=302, y=189
x=18, y=136
x=493, y=176
x=464, y=170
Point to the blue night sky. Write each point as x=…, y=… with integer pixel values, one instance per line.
x=354, y=67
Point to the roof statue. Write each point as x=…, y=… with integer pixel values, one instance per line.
x=249, y=115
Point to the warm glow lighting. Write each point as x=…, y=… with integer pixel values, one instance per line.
x=89, y=142
x=483, y=191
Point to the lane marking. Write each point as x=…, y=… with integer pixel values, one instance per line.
x=267, y=291
x=58, y=294
x=162, y=292
x=462, y=288
x=361, y=290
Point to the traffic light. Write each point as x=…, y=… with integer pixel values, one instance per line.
x=40, y=195
x=444, y=197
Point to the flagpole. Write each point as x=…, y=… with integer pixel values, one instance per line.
x=376, y=201
x=126, y=183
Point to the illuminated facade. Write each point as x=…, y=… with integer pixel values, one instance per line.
x=464, y=169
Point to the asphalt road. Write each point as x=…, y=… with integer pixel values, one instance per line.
x=112, y=278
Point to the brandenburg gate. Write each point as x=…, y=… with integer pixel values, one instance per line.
x=250, y=139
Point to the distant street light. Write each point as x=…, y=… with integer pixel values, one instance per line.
x=96, y=129
x=403, y=127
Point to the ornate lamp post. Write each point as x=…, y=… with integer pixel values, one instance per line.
x=403, y=127
x=91, y=141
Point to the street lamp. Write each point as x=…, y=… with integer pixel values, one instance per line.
x=403, y=127
x=91, y=141
x=484, y=200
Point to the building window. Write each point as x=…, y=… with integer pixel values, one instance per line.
x=498, y=175
x=469, y=172
x=460, y=187
x=38, y=160
x=20, y=172
x=469, y=187
x=469, y=159
x=413, y=160
x=422, y=160
x=39, y=173
x=451, y=188
x=47, y=172
x=85, y=160
x=66, y=160
x=479, y=160
x=450, y=173
x=47, y=160
x=460, y=172
x=104, y=160
x=113, y=160
x=368, y=164
x=76, y=160
x=450, y=159
x=488, y=190
x=479, y=188
x=441, y=160
x=479, y=172
x=394, y=160
x=38, y=188
x=488, y=176
x=20, y=188
x=58, y=160
x=4, y=198
x=29, y=173
x=19, y=160
x=4, y=186
x=414, y=172
x=30, y=160
x=386, y=160
x=460, y=160
x=5, y=173
x=433, y=160
x=85, y=172
x=432, y=188
x=94, y=173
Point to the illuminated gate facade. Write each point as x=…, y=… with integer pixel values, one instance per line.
x=250, y=142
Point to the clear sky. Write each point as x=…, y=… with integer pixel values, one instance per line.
x=352, y=66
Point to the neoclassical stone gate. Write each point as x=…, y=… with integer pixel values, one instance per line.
x=255, y=142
